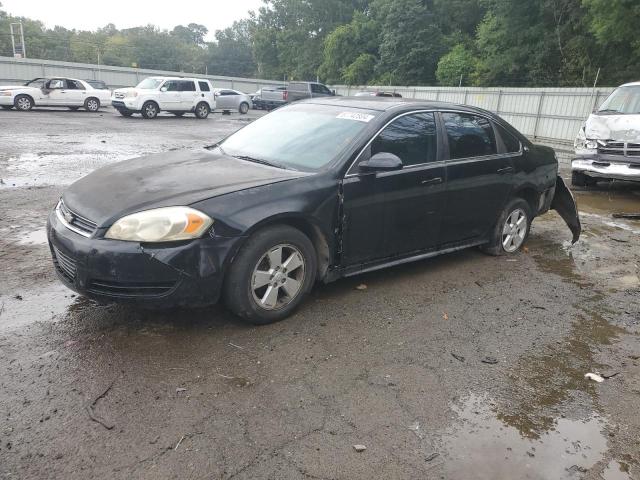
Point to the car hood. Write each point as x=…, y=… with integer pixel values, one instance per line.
x=162, y=180
x=16, y=87
x=624, y=128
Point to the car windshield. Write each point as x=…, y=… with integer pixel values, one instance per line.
x=301, y=137
x=624, y=100
x=149, y=83
x=37, y=83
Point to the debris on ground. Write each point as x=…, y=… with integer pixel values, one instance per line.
x=594, y=376
x=460, y=358
x=359, y=448
x=445, y=316
x=489, y=360
x=18, y=297
x=180, y=390
x=432, y=456
x=608, y=375
x=628, y=216
x=236, y=346
x=178, y=444
x=618, y=239
x=105, y=423
x=362, y=286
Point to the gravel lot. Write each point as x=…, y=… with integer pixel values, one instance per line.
x=464, y=366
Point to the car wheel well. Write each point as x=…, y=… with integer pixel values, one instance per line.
x=33, y=102
x=531, y=196
x=313, y=232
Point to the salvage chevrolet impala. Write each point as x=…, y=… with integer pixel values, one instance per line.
x=315, y=191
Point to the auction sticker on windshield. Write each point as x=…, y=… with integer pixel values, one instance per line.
x=360, y=117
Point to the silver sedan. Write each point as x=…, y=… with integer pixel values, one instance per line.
x=229, y=100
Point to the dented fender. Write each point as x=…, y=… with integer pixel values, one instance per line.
x=565, y=204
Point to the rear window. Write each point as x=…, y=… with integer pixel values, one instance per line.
x=186, y=86
x=469, y=135
x=204, y=86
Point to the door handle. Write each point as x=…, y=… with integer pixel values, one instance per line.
x=504, y=170
x=432, y=181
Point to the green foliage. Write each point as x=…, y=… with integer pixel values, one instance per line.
x=459, y=62
x=361, y=70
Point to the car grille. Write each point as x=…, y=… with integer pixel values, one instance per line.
x=64, y=264
x=130, y=290
x=620, y=148
x=119, y=95
x=75, y=222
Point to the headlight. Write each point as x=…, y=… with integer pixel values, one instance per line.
x=160, y=225
x=131, y=94
x=5, y=93
x=582, y=143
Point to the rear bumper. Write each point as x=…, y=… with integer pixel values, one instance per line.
x=112, y=271
x=597, y=167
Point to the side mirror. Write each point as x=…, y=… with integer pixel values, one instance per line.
x=381, y=162
x=163, y=89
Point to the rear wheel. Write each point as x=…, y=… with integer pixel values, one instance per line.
x=150, y=110
x=244, y=108
x=271, y=275
x=92, y=104
x=23, y=103
x=202, y=110
x=511, y=230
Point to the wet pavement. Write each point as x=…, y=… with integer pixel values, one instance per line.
x=463, y=366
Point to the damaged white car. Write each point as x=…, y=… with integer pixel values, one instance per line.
x=608, y=145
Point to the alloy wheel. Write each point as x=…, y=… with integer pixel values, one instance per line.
x=202, y=111
x=24, y=103
x=278, y=277
x=514, y=230
x=150, y=110
x=92, y=105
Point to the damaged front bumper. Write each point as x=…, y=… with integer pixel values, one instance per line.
x=564, y=203
x=606, y=167
x=178, y=274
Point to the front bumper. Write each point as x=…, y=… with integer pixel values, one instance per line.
x=125, y=104
x=601, y=167
x=112, y=271
x=6, y=100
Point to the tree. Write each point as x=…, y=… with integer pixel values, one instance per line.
x=232, y=53
x=191, y=34
x=458, y=64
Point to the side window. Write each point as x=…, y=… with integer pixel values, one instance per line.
x=74, y=85
x=315, y=88
x=56, y=83
x=511, y=143
x=171, y=86
x=186, y=86
x=412, y=137
x=469, y=135
x=204, y=87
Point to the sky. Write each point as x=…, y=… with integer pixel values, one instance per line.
x=91, y=14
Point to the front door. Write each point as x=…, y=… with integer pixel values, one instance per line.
x=479, y=178
x=399, y=212
x=169, y=97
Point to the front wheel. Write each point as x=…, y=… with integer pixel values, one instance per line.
x=92, y=104
x=202, y=110
x=150, y=110
x=512, y=229
x=271, y=275
x=23, y=103
x=244, y=108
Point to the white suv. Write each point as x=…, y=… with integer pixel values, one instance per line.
x=171, y=94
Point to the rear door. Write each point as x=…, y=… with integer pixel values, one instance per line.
x=397, y=212
x=75, y=93
x=224, y=100
x=188, y=94
x=479, y=177
x=55, y=92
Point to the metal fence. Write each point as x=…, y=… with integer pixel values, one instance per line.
x=546, y=115
x=20, y=70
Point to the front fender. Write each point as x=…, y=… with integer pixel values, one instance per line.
x=564, y=203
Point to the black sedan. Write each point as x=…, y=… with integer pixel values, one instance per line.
x=315, y=191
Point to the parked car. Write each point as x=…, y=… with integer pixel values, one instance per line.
x=53, y=92
x=301, y=90
x=377, y=93
x=271, y=97
x=98, y=84
x=608, y=145
x=228, y=100
x=172, y=94
x=349, y=186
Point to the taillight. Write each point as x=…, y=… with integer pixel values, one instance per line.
x=285, y=95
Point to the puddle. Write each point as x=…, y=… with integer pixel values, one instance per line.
x=37, y=237
x=481, y=446
x=616, y=471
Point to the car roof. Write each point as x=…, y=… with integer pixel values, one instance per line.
x=631, y=84
x=389, y=103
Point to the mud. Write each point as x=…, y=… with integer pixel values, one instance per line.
x=397, y=367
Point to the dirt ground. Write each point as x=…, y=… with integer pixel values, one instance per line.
x=464, y=366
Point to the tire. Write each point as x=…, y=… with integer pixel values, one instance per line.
x=178, y=114
x=150, y=110
x=73, y=109
x=244, y=108
x=508, y=235
x=24, y=103
x=125, y=113
x=202, y=110
x=7, y=107
x=92, y=104
x=244, y=292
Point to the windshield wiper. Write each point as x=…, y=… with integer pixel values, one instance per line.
x=609, y=110
x=259, y=160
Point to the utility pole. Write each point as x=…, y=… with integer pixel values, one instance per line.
x=460, y=84
x=19, y=50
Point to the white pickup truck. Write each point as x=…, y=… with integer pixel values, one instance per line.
x=171, y=94
x=53, y=92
